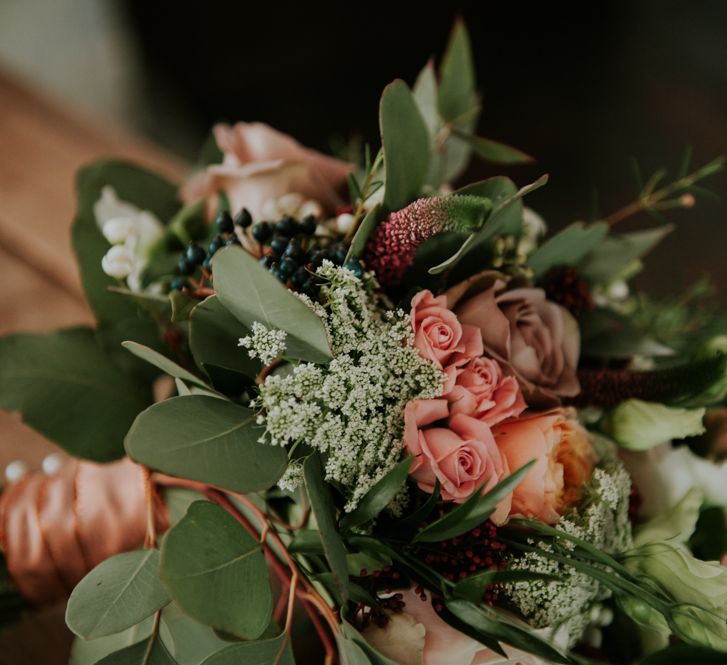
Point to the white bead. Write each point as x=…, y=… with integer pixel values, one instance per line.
x=311, y=207
x=345, y=222
x=288, y=204
x=117, y=229
x=52, y=463
x=118, y=262
x=618, y=290
x=15, y=470
x=269, y=210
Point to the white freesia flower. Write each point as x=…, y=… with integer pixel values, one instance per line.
x=132, y=232
x=534, y=228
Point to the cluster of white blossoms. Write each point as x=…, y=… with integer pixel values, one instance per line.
x=351, y=410
x=567, y=607
x=264, y=344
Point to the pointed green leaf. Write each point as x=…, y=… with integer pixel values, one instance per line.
x=567, y=247
x=365, y=229
x=206, y=439
x=165, y=364
x=117, y=594
x=457, y=82
x=493, y=151
x=425, y=95
x=250, y=293
x=216, y=572
x=473, y=588
x=322, y=504
x=140, y=654
x=406, y=145
x=262, y=652
x=67, y=388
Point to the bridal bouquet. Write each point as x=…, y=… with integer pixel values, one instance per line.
x=376, y=417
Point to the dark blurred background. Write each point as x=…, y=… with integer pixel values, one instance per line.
x=582, y=87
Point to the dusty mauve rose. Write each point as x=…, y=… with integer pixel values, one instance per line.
x=439, y=336
x=442, y=644
x=261, y=163
x=564, y=460
x=481, y=390
x=462, y=455
x=536, y=340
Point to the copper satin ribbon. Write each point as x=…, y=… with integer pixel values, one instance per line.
x=55, y=528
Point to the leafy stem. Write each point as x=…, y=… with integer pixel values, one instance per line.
x=366, y=190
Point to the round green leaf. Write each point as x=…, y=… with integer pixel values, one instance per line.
x=262, y=652
x=216, y=572
x=140, y=654
x=207, y=439
x=117, y=594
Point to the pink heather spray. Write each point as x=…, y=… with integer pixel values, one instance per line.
x=390, y=250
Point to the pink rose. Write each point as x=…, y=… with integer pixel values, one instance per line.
x=481, y=390
x=438, y=334
x=564, y=460
x=537, y=340
x=462, y=456
x=261, y=163
x=402, y=640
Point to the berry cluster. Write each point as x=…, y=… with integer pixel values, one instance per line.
x=195, y=256
x=565, y=286
x=376, y=583
x=292, y=252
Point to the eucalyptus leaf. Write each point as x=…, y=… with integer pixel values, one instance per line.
x=472, y=588
x=67, y=388
x=250, y=293
x=117, y=594
x=567, y=247
x=165, y=364
x=364, y=231
x=262, y=652
x=140, y=654
x=472, y=512
x=379, y=496
x=493, y=151
x=457, y=96
x=189, y=641
x=89, y=652
x=206, y=439
x=324, y=511
x=425, y=95
x=216, y=572
x=406, y=145
x=680, y=654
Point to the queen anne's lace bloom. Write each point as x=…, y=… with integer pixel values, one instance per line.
x=267, y=345
x=351, y=410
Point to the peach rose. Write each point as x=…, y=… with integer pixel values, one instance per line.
x=462, y=456
x=537, y=340
x=481, y=390
x=438, y=334
x=564, y=460
x=261, y=163
x=402, y=640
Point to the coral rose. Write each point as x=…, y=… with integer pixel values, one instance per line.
x=261, y=164
x=462, y=456
x=564, y=460
x=439, y=336
x=536, y=340
x=482, y=391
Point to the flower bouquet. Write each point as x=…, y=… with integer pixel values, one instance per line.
x=372, y=418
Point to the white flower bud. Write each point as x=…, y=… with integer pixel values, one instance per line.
x=288, y=204
x=344, y=222
x=618, y=290
x=311, y=207
x=269, y=210
x=117, y=229
x=118, y=262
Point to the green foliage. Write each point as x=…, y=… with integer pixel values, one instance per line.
x=568, y=247
x=141, y=653
x=492, y=151
x=379, y=496
x=262, y=652
x=406, y=146
x=163, y=363
x=250, y=293
x=216, y=572
x=323, y=508
x=365, y=229
x=207, y=439
x=118, y=594
x=680, y=654
x=67, y=388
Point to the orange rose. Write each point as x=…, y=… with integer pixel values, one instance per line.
x=563, y=457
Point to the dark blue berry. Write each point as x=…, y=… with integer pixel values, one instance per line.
x=338, y=254
x=300, y=277
x=279, y=244
x=216, y=243
x=287, y=227
x=195, y=254
x=266, y=261
x=355, y=267
x=310, y=289
x=262, y=232
x=308, y=225
x=177, y=284
x=294, y=250
x=277, y=272
x=288, y=266
x=185, y=266
x=224, y=222
x=317, y=257
x=243, y=218
x=207, y=264
x=232, y=240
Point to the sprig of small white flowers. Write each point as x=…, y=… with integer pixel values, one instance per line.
x=601, y=518
x=352, y=409
x=264, y=344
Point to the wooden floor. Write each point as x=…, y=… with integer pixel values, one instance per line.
x=42, y=144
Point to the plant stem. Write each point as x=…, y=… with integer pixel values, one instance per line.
x=368, y=182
